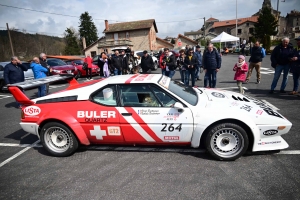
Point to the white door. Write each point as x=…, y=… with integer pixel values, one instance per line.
x=147, y=116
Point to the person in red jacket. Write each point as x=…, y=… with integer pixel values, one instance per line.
x=88, y=70
x=240, y=68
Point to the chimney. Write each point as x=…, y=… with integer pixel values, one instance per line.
x=83, y=42
x=106, y=25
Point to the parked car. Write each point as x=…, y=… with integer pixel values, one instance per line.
x=27, y=74
x=149, y=109
x=79, y=63
x=60, y=67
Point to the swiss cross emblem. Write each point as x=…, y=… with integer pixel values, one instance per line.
x=98, y=132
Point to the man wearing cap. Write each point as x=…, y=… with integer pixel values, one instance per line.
x=146, y=63
x=198, y=66
x=295, y=67
x=280, y=60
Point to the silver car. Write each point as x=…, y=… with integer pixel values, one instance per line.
x=27, y=74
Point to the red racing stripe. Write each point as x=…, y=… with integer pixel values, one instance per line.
x=131, y=78
x=144, y=125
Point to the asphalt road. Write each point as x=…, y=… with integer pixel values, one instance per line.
x=27, y=171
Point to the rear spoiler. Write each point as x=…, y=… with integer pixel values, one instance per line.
x=17, y=88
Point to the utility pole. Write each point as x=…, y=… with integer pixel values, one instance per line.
x=11, y=46
x=204, y=27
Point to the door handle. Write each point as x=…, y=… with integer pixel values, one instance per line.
x=126, y=114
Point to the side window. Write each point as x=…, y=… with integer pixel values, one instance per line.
x=106, y=96
x=163, y=97
x=137, y=96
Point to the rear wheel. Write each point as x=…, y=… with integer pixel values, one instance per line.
x=58, y=139
x=226, y=141
x=78, y=75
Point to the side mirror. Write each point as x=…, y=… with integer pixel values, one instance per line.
x=178, y=106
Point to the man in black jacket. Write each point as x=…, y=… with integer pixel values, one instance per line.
x=14, y=73
x=146, y=63
x=117, y=63
x=257, y=54
x=190, y=64
x=125, y=65
x=280, y=60
x=170, y=62
x=211, y=64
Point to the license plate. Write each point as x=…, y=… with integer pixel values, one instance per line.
x=69, y=71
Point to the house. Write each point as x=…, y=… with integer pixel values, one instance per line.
x=181, y=41
x=139, y=35
x=93, y=49
x=169, y=39
x=160, y=43
x=245, y=27
x=194, y=35
x=209, y=25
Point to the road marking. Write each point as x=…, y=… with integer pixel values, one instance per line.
x=17, y=154
x=25, y=135
x=4, y=96
x=269, y=71
x=142, y=149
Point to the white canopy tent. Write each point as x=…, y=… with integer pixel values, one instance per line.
x=224, y=37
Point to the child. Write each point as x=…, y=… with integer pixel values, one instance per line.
x=240, y=68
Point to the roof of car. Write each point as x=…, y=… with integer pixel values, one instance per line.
x=135, y=78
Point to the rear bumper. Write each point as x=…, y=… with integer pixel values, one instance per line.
x=30, y=128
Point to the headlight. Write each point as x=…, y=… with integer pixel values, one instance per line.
x=56, y=71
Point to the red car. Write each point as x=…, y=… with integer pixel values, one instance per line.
x=78, y=64
x=60, y=67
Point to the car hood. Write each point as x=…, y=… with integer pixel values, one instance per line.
x=261, y=111
x=63, y=67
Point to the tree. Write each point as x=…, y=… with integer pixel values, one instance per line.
x=265, y=27
x=72, y=47
x=87, y=29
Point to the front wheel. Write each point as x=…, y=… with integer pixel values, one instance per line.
x=226, y=141
x=58, y=139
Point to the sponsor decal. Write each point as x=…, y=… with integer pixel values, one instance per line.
x=246, y=107
x=270, y=132
x=95, y=120
x=171, y=137
x=266, y=143
x=141, y=77
x=96, y=114
x=32, y=110
x=148, y=112
x=172, y=116
x=113, y=130
x=218, y=95
x=265, y=108
x=165, y=81
x=259, y=112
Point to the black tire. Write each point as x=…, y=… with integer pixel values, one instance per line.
x=78, y=75
x=58, y=139
x=226, y=141
x=1, y=84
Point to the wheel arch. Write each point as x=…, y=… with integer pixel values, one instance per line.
x=235, y=121
x=75, y=128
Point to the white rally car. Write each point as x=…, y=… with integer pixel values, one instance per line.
x=150, y=109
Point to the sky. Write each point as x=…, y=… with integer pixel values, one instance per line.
x=172, y=17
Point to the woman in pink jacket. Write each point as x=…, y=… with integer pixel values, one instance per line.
x=240, y=68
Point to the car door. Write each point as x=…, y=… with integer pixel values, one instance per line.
x=147, y=115
x=99, y=117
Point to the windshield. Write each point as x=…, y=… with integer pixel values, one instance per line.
x=56, y=62
x=187, y=93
